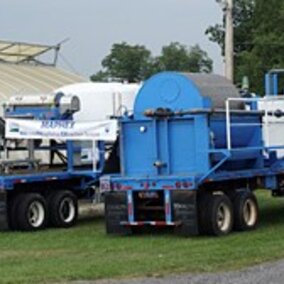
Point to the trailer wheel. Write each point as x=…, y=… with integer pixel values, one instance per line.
x=246, y=213
x=31, y=212
x=63, y=209
x=13, y=205
x=217, y=215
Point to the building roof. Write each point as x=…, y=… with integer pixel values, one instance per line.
x=18, y=52
x=32, y=79
x=28, y=68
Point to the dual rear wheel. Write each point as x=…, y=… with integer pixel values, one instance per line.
x=219, y=215
x=31, y=211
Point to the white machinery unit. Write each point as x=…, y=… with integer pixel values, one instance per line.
x=273, y=130
x=101, y=100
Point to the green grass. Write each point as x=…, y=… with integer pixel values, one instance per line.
x=86, y=252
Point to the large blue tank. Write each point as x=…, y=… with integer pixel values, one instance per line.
x=191, y=138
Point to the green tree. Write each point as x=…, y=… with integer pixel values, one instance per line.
x=243, y=26
x=177, y=57
x=100, y=76
x=134, y=63
x=259, y=39
x=125, y=62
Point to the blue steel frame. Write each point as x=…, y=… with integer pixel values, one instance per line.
x=168, y=183
x=87, y=177
x=272, y=82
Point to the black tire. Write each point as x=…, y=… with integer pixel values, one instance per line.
x=13, y=205
x=246, y=212
x=63, y=209
x=216, y=215
x=202, y=201
x=31, y=212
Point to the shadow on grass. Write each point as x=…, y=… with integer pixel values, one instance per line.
x=271, y=216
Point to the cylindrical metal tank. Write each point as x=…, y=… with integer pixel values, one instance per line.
x=185, y=91
x=101, y=100
x=179, y=92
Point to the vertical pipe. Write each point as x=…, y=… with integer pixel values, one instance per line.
x=113, y=103
x=229, y=42
x=70, y=153
x=101, y=148
x=119, y=104
x=130, y=206
x=156, y=142
x=168, y=141
x=168, y=208
x=228, y=125
x=94, y=155
x=275, y=84
x=267, y=84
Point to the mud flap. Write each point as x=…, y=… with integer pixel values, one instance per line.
x=3, y=211
x=116, y=211
x=185, y=212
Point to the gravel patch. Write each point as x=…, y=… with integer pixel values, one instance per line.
x=269, y=273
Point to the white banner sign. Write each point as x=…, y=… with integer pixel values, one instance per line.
x=60, y=129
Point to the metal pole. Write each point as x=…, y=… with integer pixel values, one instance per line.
x=229, y=42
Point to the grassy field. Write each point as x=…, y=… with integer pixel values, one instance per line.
x=85, y=252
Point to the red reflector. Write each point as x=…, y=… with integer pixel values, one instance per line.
x=185, y=184
x=167, y=208
x=130, y=209
x=178, y=184
x=126, y=187
x=19, y=181
x=168, y=187
x=160, y=223
x=146, y=185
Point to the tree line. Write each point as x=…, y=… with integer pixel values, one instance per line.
x=259, y=39
x=258, y=47
x=134, y=63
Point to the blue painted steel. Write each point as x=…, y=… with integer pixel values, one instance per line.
x=168, y=207
x=86, y=178
x=168, y=90
x=187, y=151
x=183, y=145
x=275, y=84
x=272, y=82
x=38, y=112
x=130, y=206
x=146, y=142
x=8, y=182
x=267, y=85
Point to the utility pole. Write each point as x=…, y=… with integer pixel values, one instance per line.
x=229, y=41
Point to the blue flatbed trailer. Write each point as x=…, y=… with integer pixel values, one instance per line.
x=33, y=193
x=189, y=162
x=11, y=186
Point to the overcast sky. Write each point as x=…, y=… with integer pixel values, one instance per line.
x=94, y=25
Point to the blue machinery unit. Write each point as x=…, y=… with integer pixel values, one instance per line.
x=188, y=162
x=31, y=190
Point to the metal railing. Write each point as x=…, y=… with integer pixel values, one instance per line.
x=265, y=123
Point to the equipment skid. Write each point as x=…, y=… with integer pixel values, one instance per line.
x=192, y=154
x=41, y=180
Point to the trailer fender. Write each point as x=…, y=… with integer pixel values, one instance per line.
x=116, y=211
x=3, y=211
x=185, y=212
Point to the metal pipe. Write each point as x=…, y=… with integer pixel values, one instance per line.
x=229, y=42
